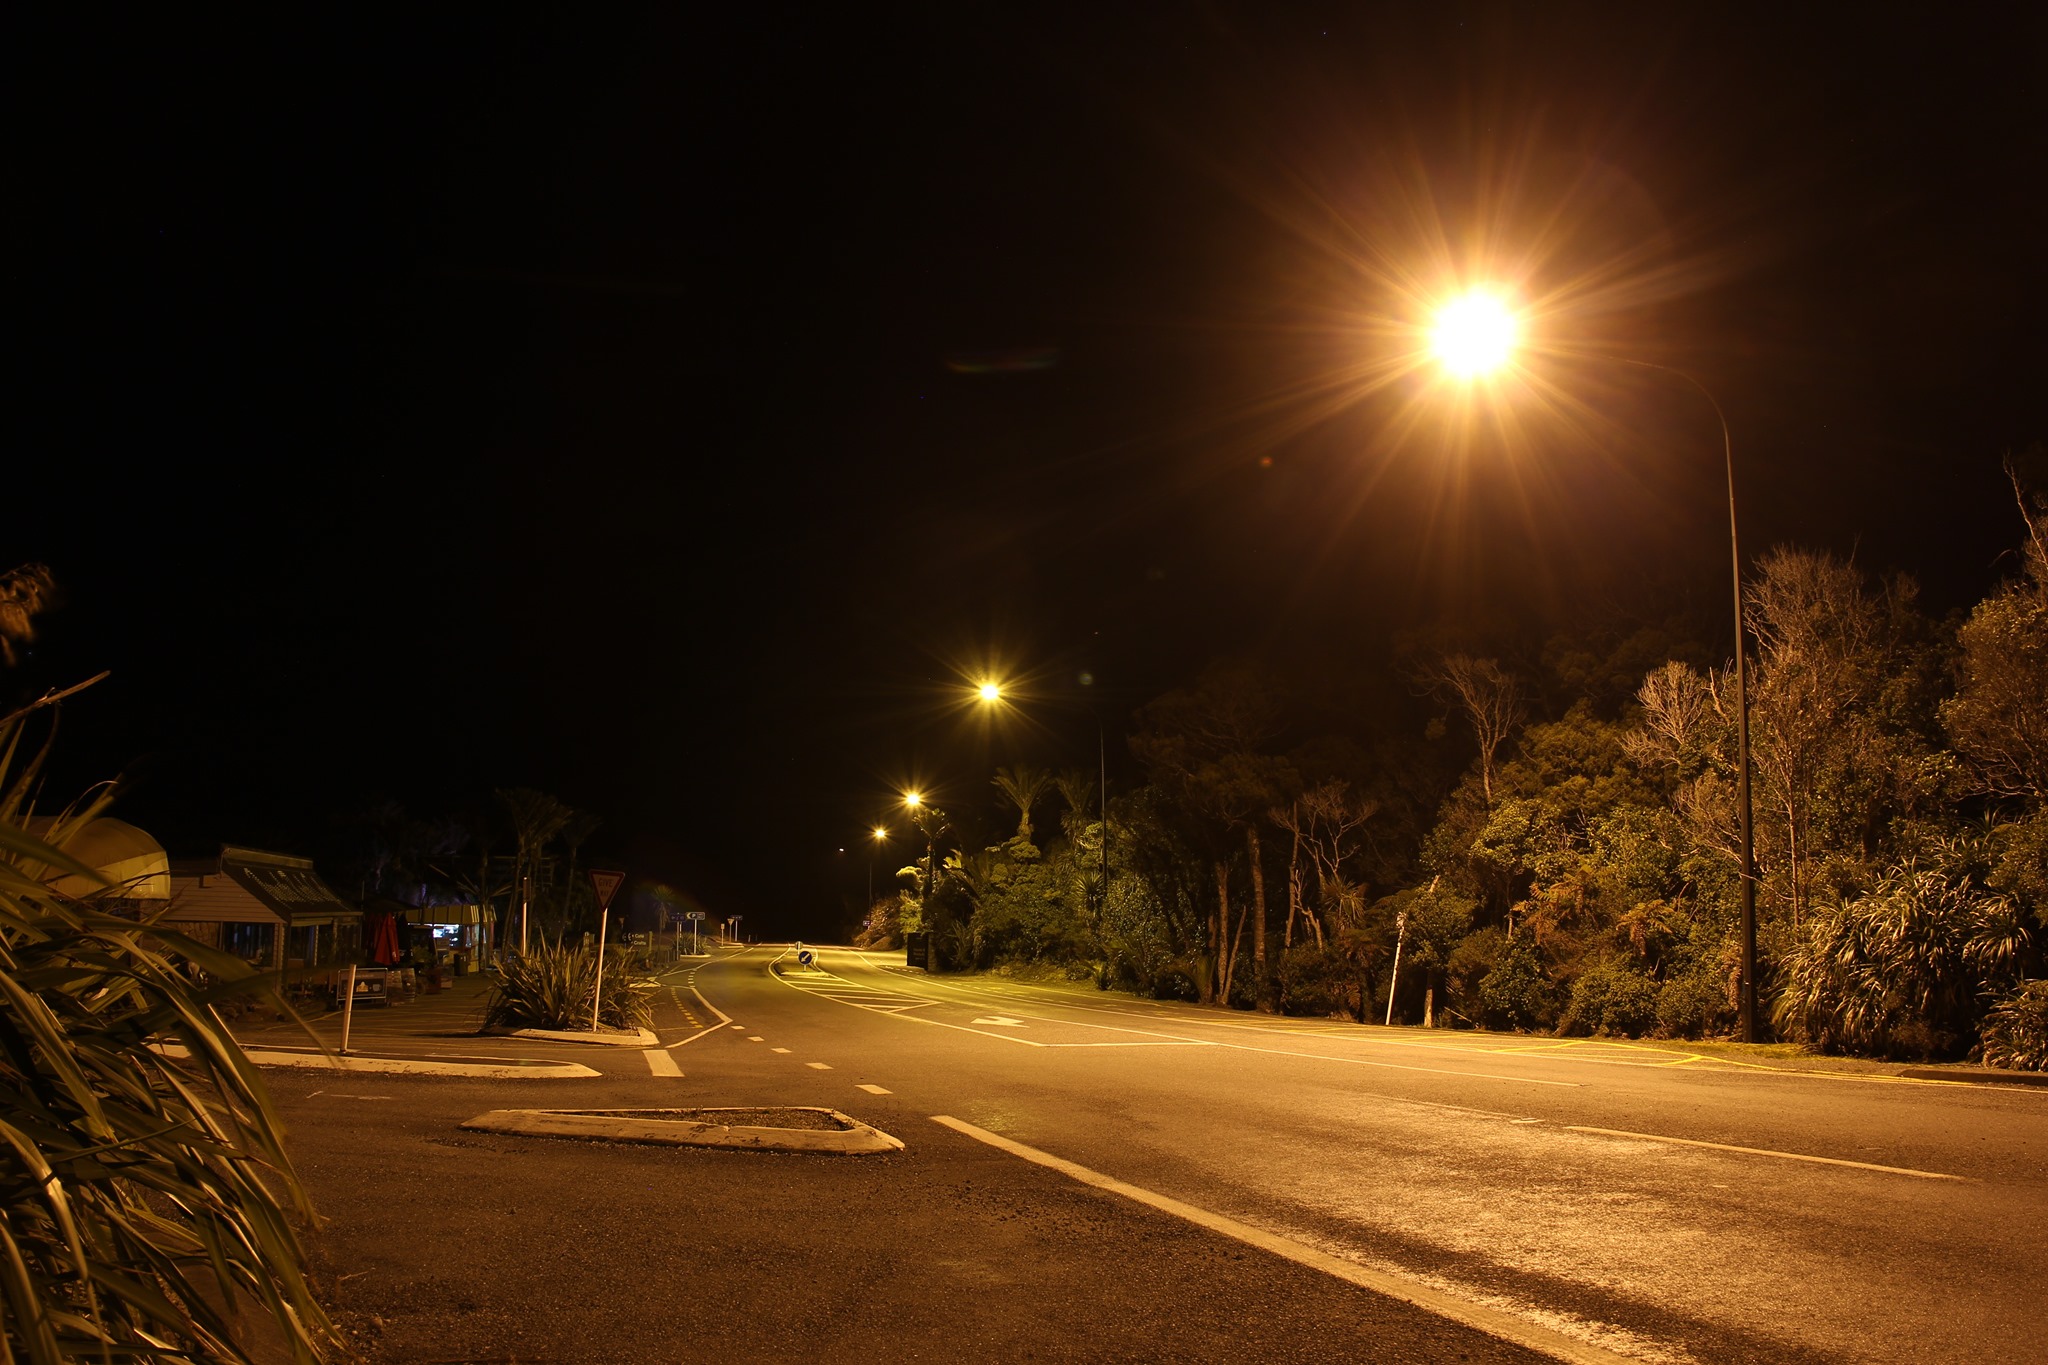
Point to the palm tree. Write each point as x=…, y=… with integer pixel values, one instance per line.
x=581, y=825
x=1023, y=787
x=536, y=818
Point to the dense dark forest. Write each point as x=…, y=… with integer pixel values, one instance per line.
x=1544, y=835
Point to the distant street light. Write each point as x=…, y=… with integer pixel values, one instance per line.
x=1474, y=337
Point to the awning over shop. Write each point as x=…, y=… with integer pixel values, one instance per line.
x=254, y=886
x=443, y=914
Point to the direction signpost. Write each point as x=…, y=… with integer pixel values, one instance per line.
x=696, y=918
x=606, y=884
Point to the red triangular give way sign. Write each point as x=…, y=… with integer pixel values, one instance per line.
x=605, y=883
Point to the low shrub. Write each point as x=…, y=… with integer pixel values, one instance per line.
x=2015, y=1031
x=1517, y=993
x=1612, y=998
x=1318, y=980
x=551, y=986
x=1693, y=1004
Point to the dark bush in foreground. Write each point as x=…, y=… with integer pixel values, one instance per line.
x=146, y=1197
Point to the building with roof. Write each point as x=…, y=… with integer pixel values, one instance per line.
x=269, y=908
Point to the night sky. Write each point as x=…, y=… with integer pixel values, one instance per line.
x=672, y=410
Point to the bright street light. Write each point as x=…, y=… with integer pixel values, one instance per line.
x=913, y=800
x=989, y=691
x=1474, y=335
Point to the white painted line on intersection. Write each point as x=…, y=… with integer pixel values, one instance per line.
x=778, y=1049
x=1766, y=1151
x=1491, y=1321
x=874, y=1090
x=660, y=1063
x=819, y=1066
x=755, y=1038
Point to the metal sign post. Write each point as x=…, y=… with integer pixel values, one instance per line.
x=696, y=918
x=606, y=884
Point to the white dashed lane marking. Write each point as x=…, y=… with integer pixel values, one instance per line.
x=755, y=1038
x=819, y=1066
x=874, y=1090
x=778, y=1049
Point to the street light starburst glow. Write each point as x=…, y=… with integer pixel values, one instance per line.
x=989, y=691
x=1474, y=335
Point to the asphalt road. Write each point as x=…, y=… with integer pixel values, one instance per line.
x=1495, y=1168
x=1618, y=1198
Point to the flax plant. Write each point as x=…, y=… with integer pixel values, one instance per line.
x=551, y=986
x=148, y=1211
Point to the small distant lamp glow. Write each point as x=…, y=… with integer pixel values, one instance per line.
x=913, y=800
x=1474, y=335
x=991, y=691
x=880, y=834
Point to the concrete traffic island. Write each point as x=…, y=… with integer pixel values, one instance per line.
x=825, y=1131
x=610, y=1037
x=318, y=1059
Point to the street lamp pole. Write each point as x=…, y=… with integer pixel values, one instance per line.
x=1746, y=1006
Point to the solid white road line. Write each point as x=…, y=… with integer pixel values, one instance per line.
x=1169, y=1039
x=660, y=1063
x=1481, y=1318
x=1766, y=1151
x=874, y=1090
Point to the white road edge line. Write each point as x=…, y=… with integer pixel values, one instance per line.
x=1766, y=1151
x=1480, y=1318
x=1182, y=1040
x=661, y=1063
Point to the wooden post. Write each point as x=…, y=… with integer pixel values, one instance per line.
x=348, y=1008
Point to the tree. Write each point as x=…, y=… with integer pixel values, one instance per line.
x=1998, y=717
x=1322, y=822
x=1491, y=699
x=1205, y=748
x=536, y=818
x=24, y=591
x=1023, y=787
x=575, y=832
